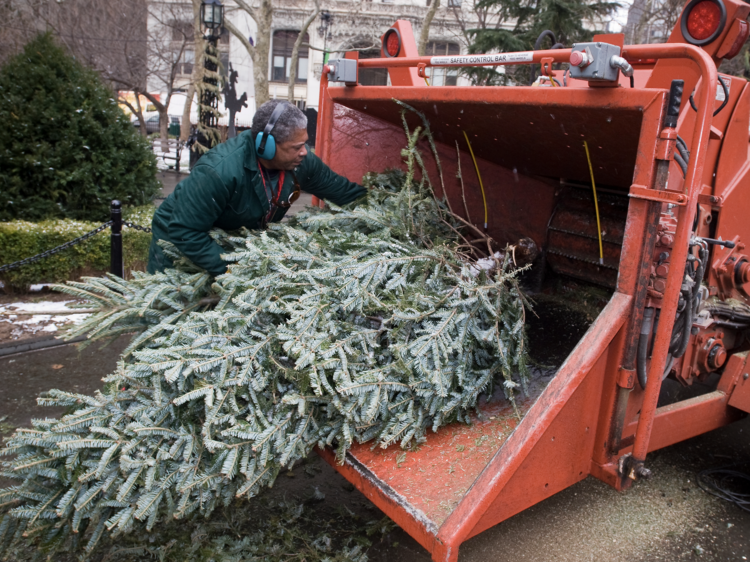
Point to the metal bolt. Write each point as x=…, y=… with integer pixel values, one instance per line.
x=746, y=376
x=643, y=472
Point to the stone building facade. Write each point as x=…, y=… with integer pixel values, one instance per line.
x=342, y=25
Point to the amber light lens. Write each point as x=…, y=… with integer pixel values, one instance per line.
x=703, y=20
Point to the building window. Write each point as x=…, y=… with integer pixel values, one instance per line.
x=186, y=62
x=372, y=76
x=283, y=42
x=442, y=76
x=183, y=36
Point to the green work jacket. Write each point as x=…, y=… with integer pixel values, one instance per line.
x=225, y=190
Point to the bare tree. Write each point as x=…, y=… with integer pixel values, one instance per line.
x=166, y=52
x=296, y=47
x=197, y=76
x=106, y=35
x=20, y=23
x=651, y=21
x=424, y=33
x=114, y=38
x=262, y=14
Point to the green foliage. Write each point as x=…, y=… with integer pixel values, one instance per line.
x=363, y=323
x=281, y=531
x=66, y=147
x=565, y=18
x=22, y=239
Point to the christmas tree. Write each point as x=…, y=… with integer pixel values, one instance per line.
x=366, y=323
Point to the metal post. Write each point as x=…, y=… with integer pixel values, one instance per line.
x=116, y=264
x=207, y=133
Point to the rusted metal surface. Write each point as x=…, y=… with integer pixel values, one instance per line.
x=688, y=418
x=685, y=218
x=529, y=145
x=494, y=461
x=472, y=515
x=502, y=123
x=572, y=241
x=669, y=197
x=740, y=392
x=433, y=478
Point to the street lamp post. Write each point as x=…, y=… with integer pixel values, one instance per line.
x=207, y=134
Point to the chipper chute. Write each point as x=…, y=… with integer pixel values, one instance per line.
x=665, y=230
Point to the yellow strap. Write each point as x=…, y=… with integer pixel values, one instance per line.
x=481, y=185
x=596, y=204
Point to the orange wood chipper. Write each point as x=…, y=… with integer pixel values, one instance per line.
x=665, y=227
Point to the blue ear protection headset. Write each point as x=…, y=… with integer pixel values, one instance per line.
x=265, y=143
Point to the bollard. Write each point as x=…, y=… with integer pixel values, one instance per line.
x=116, y=263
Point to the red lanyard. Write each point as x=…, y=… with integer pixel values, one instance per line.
x=269, y=193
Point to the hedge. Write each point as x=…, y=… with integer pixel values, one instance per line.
x=22, y=239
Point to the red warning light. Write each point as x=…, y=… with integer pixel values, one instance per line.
x=703, y=21
x=392, y=43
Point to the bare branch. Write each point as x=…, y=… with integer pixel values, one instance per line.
x=241, y=36
x=425, y=31
x=247, y=8
x=373, y=46
x=295, y=51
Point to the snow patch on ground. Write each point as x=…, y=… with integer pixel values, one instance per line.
x=33, y=288
x=28, y=318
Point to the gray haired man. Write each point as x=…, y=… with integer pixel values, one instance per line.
x=248, y=181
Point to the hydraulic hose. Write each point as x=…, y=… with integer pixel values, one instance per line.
x=641, y=365
x=691, y=307
x=538, y=43
x=726, y=97
x=546, y=33
x=684, y=318
x=683, y=158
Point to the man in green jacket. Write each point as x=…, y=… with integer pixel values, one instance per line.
x=233, y=186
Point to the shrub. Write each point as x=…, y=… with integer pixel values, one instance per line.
x=66, y=148
x=22, y=239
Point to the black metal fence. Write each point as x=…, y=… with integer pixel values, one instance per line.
x=115, y=224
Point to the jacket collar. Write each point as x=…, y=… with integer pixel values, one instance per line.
x=251, y=157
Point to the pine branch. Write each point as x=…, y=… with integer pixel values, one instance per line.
x=359, y=323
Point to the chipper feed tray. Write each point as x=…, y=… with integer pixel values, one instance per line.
x=664, y=233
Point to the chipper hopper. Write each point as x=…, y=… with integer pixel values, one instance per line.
x=664, y=136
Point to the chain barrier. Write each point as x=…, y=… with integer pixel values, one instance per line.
x=136, y=226
x=54, y=251
x=74, y=242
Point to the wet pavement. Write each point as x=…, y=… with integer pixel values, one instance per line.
x=25, y=375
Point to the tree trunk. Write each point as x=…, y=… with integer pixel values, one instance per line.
x=163, y=122
x=634, y=24
x=185, y=123
x=424, y=33
x=263, y=16
x=198, y=48
x=139, y=114
x=295, y=51
x=262, y=49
